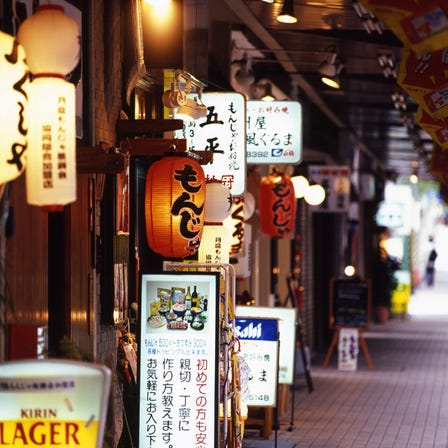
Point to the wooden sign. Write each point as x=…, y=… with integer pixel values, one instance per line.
x=350, y=303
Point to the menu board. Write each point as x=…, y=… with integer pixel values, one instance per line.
x=178, y=369
x=349, y=303
x=258, y=339
x=287, y=318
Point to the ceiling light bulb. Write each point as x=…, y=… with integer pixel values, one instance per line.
x=331, y=81
x=287, y=13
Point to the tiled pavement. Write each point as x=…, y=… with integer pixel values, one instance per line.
x=402, y=403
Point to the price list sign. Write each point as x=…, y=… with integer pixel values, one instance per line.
x=178, y=373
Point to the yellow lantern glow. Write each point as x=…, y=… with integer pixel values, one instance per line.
x=13, y=108
x=51, y=41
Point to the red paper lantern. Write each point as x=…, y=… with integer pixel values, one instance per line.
x=174, y=206
x=277, y=205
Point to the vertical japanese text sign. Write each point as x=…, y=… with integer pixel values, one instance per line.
x=178, y=369
x=258, y=339
x=46, y=403
x=274, y=132
x=223, y=132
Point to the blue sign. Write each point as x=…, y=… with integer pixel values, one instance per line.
x=256, y=329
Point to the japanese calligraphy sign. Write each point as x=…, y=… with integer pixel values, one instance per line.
x=336, y=182
x=348, y=348
x=223, y=132
x=287, y=330
x=53, y=403
x=13, y=113
x=258, y=339
x=178, y=369
x=274, y=132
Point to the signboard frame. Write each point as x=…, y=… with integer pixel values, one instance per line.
x=252, y=335
x=345, y=311
x=287, y=321
x=185, y=350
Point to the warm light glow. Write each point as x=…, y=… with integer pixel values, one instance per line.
x=215, y=244
x=301, y=185
x=331, y=82
x=349, y=271
x=286, y=18
x=162, y=8
x=315, y=195
x=413, y=178
x=268, y=98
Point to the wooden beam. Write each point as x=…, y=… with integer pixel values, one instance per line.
x=161, y=146
x=133, y=128
x=97, y=160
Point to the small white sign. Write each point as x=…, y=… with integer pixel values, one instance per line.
x=258, y=338
x=274, y=132
x=223, y=132
x=336, y=182
x=348, y=349
x=287, y=318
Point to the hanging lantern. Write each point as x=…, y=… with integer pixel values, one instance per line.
x=51, y=41
x=235, y=224
x=174, y=206
x=277, y=205
x=215, y=241
x=13, y=108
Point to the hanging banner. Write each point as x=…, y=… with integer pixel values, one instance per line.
x=179, y=362
x=223, y=132
x=53, y=403
x=336, y=182
x=274, y=132
x=287, y=334
x=258, y=339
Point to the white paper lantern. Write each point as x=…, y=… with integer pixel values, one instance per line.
x=51, y=40
x=51, y=170
x=13, y=108
x=218, y=202
x=235, y=224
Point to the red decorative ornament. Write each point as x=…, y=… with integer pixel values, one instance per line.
x=277, y=205
x=174, y=206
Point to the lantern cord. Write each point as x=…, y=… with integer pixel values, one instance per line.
x=15, y=17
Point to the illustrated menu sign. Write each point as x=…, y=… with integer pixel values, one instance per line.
x=287, y=330
x=336, y=183
x=53, y=403
x=258, y=339
x=274, y=132
x=178, y=373
x=223, y=132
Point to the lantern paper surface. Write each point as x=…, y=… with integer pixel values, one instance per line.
x=219, y=202
x=277, y=205
x=215, y=244
x=174, y=206
x=51, y=40
x=51, y=169
x=13, y=108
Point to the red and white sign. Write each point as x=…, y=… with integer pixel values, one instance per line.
x=179, y=360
